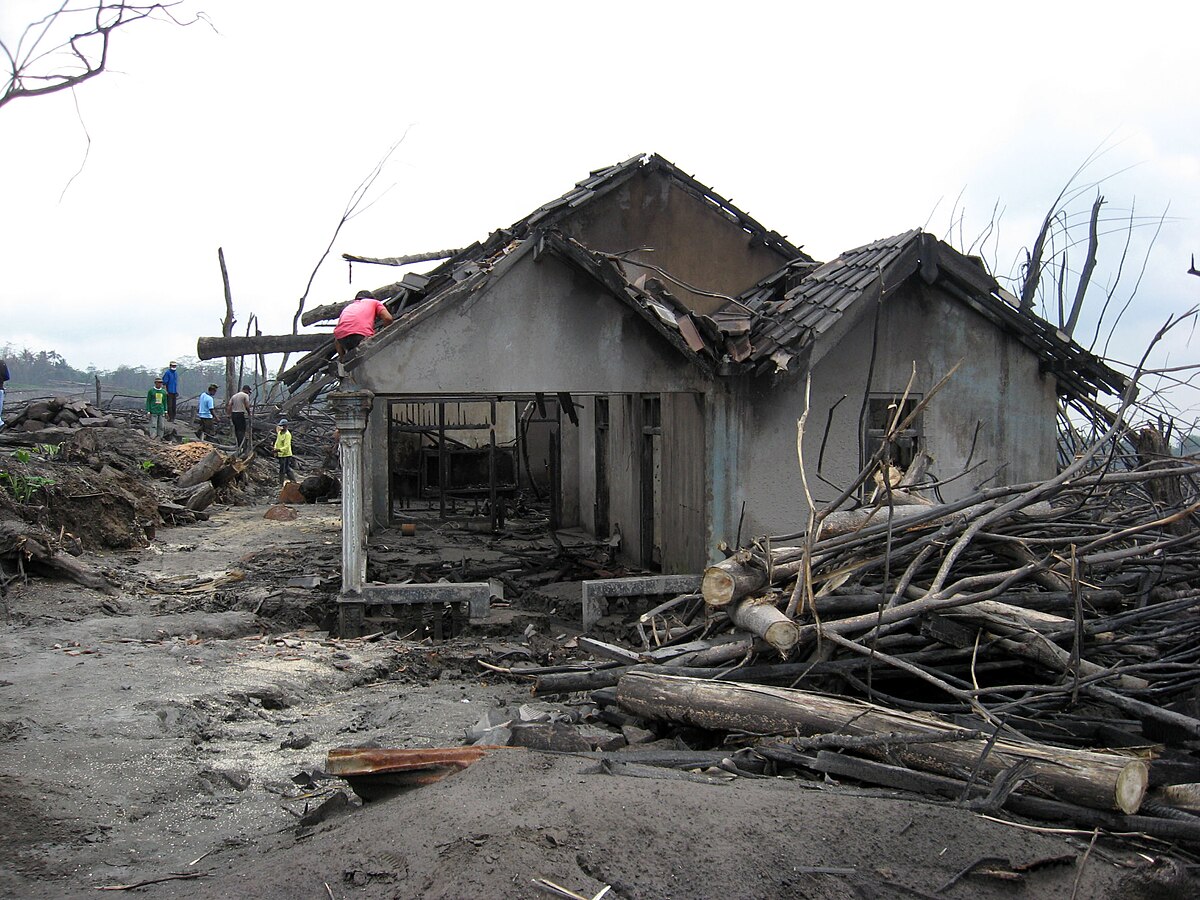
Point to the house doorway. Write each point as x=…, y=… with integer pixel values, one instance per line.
x=651, y=479
x=473, y=457
x=601, y=517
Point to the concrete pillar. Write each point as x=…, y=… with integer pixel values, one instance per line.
x=350, y=411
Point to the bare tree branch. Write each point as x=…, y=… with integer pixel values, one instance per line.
x=51, y=56
x=1089, y=265
x=353, y=208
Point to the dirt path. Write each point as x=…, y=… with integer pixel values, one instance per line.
x=134, y=743
x=165, y=731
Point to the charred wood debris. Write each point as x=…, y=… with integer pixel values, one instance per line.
x=77, y=478
x=1029, y=650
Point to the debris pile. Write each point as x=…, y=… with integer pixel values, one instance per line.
x=79, y=489
x=59, y=413
x=1032, y=647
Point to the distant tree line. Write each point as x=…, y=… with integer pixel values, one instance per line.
x=33, y=370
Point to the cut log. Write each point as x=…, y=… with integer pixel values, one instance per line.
x=738, y=577
x=199, y=497
x=204, y=470
x=1095, y=780
x=759, y=616
x=41, y=555
x=730, y=579
x=213, y=347
x=1022, y=804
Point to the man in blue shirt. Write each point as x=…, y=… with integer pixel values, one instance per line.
x=171, y=383
x=204, y=418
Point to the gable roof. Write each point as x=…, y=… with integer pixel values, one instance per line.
x=414, y=297
x=798, y=304
x=760, y=332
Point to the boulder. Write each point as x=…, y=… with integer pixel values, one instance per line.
x=318, y=487
x=291, y=493
x=281, y=513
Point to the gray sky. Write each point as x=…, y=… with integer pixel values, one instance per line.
x=834, y=126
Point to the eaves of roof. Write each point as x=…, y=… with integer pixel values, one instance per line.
x=795, y=306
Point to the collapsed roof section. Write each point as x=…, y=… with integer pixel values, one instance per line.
x=762, y=332
x=799, y=303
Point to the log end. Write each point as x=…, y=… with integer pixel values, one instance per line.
x=717, y=587
x=1131, y=786
x=783, y=636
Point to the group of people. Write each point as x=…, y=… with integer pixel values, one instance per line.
x=161, y=403
x=356, y=323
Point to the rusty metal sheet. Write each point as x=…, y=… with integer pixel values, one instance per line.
x=349, y=761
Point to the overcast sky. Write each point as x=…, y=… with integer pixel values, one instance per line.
x=834, y=125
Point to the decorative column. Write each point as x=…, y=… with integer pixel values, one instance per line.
x=350, y=412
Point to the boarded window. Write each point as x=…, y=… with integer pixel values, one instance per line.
x=884, y=410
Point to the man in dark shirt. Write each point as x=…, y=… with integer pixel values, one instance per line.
x=238, y=407
x=3, y=379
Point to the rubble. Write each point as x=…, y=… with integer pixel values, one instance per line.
x=949, y=680
x=1046, y=630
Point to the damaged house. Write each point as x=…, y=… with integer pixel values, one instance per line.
x=639, y=349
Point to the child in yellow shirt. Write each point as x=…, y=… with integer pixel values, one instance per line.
x=283, y=450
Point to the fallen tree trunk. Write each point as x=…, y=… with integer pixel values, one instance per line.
x=42, y=555
x=954, y=789
x=759, y=616
x=213, y=347
x=1095, y=780
x=199, y=497
x=208, y=466
x=427, y=256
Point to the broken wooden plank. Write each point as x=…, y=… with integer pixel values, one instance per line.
x=346, y=761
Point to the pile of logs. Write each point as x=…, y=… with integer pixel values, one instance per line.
x=1034, y=647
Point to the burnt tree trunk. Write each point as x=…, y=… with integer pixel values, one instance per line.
x=1095, y=780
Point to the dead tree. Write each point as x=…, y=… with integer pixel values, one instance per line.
x=227, y=323
x=353, y=208
x=70, y=44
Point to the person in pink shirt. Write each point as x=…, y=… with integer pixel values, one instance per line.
x=357, y=322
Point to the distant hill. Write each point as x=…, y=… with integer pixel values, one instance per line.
x=45, y=373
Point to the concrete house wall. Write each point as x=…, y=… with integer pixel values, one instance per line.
x=999, y=386
x=725, y=454
x=690, y=238
x=540, y=326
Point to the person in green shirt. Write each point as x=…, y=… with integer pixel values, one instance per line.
x=283, y=450
x=156, y=405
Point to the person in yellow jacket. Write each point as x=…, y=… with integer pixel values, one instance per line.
x=283, y=450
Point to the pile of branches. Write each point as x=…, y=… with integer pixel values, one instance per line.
x=996, y=642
